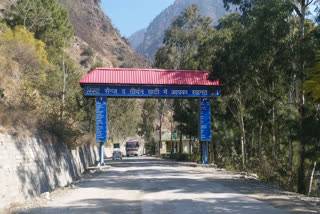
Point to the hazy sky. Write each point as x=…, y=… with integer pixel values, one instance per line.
x=130, y=16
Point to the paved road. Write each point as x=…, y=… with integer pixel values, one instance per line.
x=151, y=186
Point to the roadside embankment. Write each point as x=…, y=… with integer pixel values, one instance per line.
x=30, y=166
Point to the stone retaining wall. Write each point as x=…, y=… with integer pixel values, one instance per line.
x=30, y=166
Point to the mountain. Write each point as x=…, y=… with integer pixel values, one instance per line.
x=153, y=37
x=94, y=32
x=93, y=29
x=137, y=38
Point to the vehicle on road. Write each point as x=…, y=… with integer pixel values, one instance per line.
x=117, y=155
x=132, y=148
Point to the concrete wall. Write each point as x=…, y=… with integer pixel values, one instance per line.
x=30, y=166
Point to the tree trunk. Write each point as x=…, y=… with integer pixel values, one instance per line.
x=243, y=141
x=260, y=143
x=160, y=130
x=171, y=135
x=201, y=151
x=190, y=146
x=311, y=177
x=180, y=144
x=273, y=135
x=215, y=151
x=211, y=152
x=252, y=150
x=301, y=105
x=243, y=144
x=160, y=110
x=64, y=80
x=290, y=155
x=243, y=133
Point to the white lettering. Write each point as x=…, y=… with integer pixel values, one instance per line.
x=153, y=91
x=179, y=92
x=136, y=91
x=95, y=90
x=165, y=91
x=111, y=91
x=199, y=92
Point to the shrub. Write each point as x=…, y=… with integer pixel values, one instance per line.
x=194, y=157
x=185, y=157
x=164, y=155
x=63, y=131
x=88, y=52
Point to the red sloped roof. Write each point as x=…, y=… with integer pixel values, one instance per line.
x=133, y=76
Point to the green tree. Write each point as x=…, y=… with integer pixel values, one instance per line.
x=180, y=51
x=161, y=108
x=19, y=46
x=148, y=115
x=186, y=115
x=49, y=22
x=123, y=118
x=182, y=40
x=300, y=7
x=312, y=84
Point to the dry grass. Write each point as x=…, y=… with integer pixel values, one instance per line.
x=87, y=139
x=18, y=120
x=23, y=123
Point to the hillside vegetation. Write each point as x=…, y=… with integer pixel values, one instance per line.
x=45, y=50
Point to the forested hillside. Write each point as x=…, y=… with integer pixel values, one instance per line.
x=153, y=37
x=44, y=51
x=267, y=120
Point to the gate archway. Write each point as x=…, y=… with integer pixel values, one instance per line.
x=102, y=83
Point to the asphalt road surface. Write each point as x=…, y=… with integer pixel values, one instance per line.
x=150, y=186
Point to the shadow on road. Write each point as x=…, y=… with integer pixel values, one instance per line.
x=156, y=186
x=165, y=207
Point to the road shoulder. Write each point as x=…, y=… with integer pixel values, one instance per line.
x=249, y=185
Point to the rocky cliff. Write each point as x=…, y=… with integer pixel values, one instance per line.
x=93, y=29
x=153, y=37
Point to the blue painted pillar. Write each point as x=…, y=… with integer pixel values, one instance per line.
x=101, y=162
x=205, y=153
x=101, y=125
x=204, y=127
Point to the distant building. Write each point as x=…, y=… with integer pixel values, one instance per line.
x=168, y=145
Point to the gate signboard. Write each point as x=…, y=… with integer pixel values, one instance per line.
x=149, y=91
x=204, y=120
x=101, y=119
x=150, y=83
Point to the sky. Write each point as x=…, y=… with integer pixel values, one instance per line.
x=129, y=16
